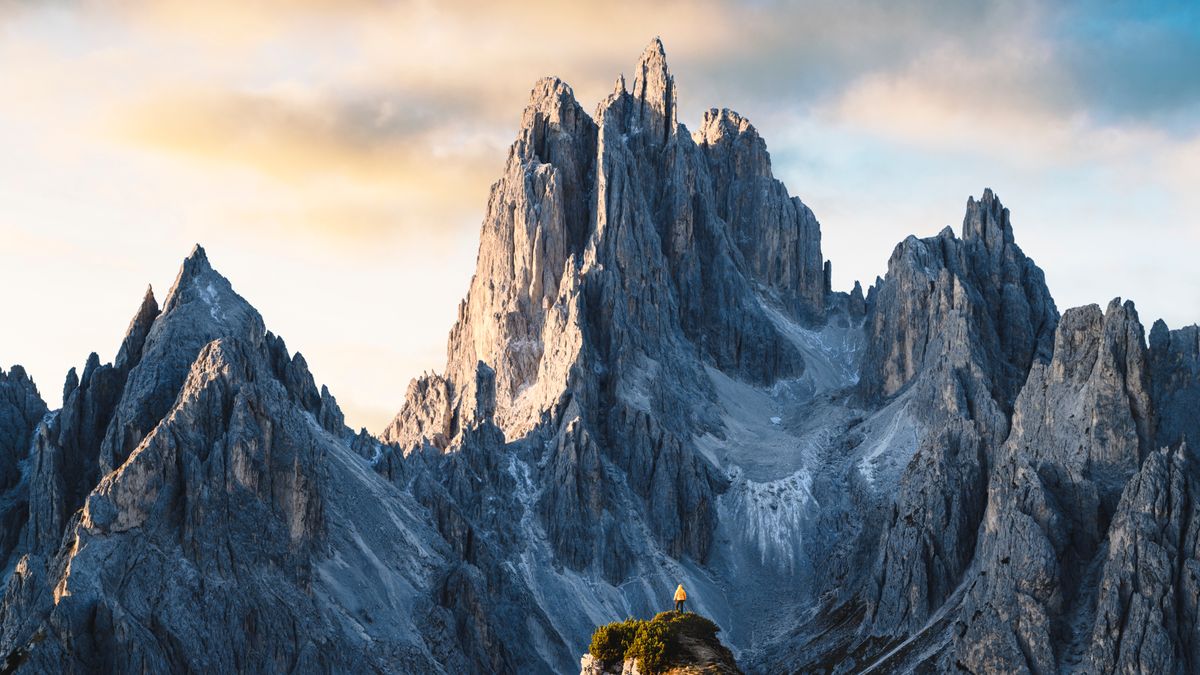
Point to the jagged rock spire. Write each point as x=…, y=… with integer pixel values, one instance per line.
x=654, y=94
x=200, y=307
x=987, y=220
x=1175, y=377
x=21, y=409
x=984, y=272
x=1082, y=426
x=135, y=336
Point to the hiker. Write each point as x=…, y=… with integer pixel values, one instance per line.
x=680, y=596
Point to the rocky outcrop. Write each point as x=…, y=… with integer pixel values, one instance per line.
x=234, y=534
x=65, y=465
x=1001, y=292
x=955, y=325
x=21, y=409
x=1147, y=615
x=617, y=257
x=200, y=307
x=1175, y=383
x=777, y=235
x=1081, y=427
x=427, y=417
x=474, y=490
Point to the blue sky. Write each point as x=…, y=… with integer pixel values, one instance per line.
x=334, y=157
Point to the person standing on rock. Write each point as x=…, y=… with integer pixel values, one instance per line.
x=680, y=597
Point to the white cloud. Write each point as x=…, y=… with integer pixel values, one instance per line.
x=334, y=157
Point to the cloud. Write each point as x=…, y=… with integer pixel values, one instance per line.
x=364, y=134
x=385, y=138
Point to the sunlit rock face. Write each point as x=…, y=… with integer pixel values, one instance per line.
x=239, y=531
x=649, y=383
x=617, y=258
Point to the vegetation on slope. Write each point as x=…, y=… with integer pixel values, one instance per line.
x=671, y=641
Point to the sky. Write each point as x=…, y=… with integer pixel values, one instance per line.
x=334, y=156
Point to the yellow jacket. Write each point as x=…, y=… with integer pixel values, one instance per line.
x=680, y=594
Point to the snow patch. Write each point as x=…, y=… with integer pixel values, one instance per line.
x=208, y=294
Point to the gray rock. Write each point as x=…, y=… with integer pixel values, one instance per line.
x=21, y=410
x=200, y=307
x=1175, y=383
x=616, y=258
x=650, y=381
x=777, y=235
x=956, y=323
x=1080, y=429
x=986, y=275
x=241, y=533
x=1147, y=616
x=65, y=465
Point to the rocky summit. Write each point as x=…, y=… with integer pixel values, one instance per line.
x=650, y=383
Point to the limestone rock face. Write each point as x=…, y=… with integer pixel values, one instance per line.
x=429, y=416
x=65, y=464
x=21, y=409
x=1147, y=616
x=955, y=326
x=240, y=533
x=650, y=382
x=200, y=307
x=1081, y=427
x=618, y=256
x=1175, y=380
x=777, y=235
x=1001, y=292
x=535, y=222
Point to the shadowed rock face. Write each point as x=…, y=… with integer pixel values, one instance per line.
x=21, y=409
x=955, y=325
x=619, y=256
x=1080, y=430
x=1148, y=600
x=983, y=277
x=238, y=534
x=777, y=235
x=1175, y=380
x=649, y=382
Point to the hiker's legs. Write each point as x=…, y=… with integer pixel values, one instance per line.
x=678, y=605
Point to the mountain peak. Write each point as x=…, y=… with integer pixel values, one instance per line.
x=197, y=256
x=987, y=220
x=550, y=89
x=139, y=327
x=654, y=91
x=654, y=50
x=195, y=268
x=652, y=65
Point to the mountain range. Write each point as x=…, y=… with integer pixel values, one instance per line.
x=650, y=382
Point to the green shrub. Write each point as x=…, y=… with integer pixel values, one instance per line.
x=667, y=616
x=693, y=625
x=610, y=642
x=653, y=647
x=655, y=643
